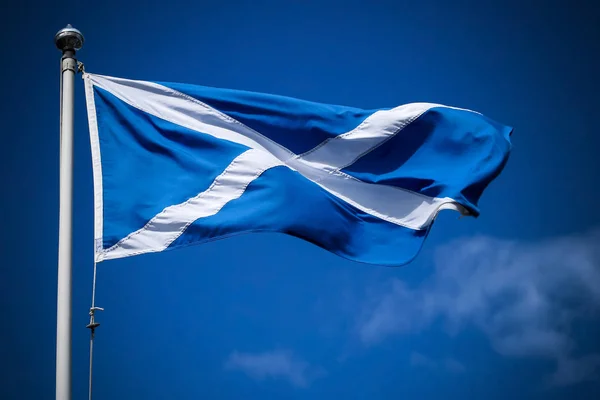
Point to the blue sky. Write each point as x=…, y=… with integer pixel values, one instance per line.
x=503, y=306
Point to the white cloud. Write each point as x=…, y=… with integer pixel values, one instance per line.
x=274, y=364
x=524, y=296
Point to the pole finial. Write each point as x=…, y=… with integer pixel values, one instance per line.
x=68, y=38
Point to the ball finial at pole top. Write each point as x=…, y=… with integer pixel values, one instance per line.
x=68, y=38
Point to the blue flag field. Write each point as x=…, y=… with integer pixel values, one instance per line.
x=180, y=164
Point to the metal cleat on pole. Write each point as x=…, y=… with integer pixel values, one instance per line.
x=93, y=324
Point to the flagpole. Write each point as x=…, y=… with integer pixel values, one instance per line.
x=68, y=40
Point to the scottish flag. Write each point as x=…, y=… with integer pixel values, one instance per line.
x=178, y=164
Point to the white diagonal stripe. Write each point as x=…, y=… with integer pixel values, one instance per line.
x=343, y=150
x=320, y=165
x=170, y=223
x=181, y=109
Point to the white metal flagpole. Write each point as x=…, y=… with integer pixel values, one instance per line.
x=68, y=40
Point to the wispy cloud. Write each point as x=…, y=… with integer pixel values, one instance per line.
x=274, y=364
x=524, y=296
x=447, y=364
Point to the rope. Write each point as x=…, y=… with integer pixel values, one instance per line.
x=92, y=327
x=91, y=358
